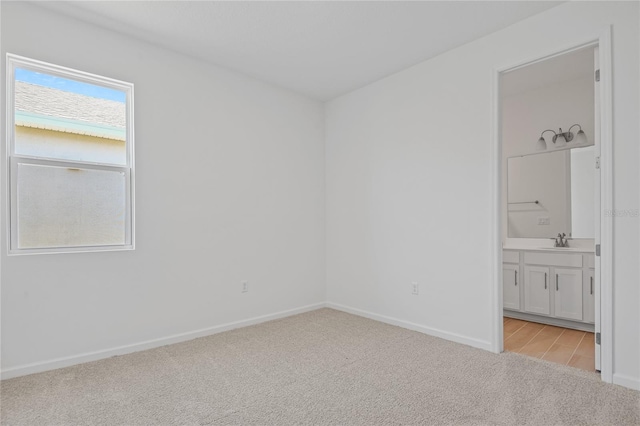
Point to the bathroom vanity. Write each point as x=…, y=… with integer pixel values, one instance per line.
x=551, y=286
x=548, y=278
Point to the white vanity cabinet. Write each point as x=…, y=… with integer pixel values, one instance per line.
x=536, y=290
x=549, y=286
x=568, y=293
x=511, y=290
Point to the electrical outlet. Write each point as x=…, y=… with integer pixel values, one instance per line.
x=544, y=221
x=414, y=288
x=245, y=286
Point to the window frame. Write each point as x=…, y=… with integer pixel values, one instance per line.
x=12, y=159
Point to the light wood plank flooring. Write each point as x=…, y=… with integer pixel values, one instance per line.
x=555, y=344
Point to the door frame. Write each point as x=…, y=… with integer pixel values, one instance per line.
x=602, y=39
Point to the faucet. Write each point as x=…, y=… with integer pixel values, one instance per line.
x=561, y=240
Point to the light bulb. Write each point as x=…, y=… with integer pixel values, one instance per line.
x=541, y=145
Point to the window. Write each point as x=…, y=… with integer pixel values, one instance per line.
x=71, y=164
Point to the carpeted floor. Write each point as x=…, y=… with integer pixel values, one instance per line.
x=322, y=367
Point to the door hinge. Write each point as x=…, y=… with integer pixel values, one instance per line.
x=597, y=75
x=598, y=338
x=598, y=162
x=598, y=250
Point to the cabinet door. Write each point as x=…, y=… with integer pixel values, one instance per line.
x=568, y=293
x=510, y=287
x=590, y=298
x=536, y=290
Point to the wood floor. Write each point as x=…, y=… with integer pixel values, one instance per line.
x=555, y=344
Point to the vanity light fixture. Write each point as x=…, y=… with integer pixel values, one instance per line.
x=561, y=137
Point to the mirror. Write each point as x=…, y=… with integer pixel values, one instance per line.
x=551, y=193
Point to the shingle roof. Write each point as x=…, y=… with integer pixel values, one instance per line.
x=54, y=109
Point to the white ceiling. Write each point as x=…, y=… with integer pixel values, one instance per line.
x=319, y=49
x=568, y=67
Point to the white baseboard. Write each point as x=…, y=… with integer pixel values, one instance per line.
x=476, y=343
x=23, y=370
x=626, y=381
x=38, y=367
x=618, y=379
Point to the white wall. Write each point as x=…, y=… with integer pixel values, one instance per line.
x=544, y=178
x=524, y=116
x=35, y=142
x=408, y=188
x=230, y=187
x=408, y=169
x=583, y=181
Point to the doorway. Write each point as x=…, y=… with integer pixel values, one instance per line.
x=552, y=172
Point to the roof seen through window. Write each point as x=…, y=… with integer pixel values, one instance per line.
x=69, y=85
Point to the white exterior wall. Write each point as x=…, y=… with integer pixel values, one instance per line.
x=69, y=146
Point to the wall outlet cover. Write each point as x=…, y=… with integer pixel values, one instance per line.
x=544, y=221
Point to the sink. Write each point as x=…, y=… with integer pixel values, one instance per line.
x=578, y=249
x=572, y=249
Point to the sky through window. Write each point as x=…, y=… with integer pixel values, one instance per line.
x=69, y=85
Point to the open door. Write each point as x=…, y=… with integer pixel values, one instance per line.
x=597, y=205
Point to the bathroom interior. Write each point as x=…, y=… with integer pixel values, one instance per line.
x=550, y=204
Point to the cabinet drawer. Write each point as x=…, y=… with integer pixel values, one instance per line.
x=553, y=259
x=509, y=256
x=591, y=261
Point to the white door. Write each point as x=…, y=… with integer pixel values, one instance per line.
x=597, y=205
x=568, y=295
x=536, y=290
x=510, y=287
x=590, y=297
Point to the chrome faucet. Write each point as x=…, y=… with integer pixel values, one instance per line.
x=561, y=240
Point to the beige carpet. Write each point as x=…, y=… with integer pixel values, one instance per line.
x=322, y=367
